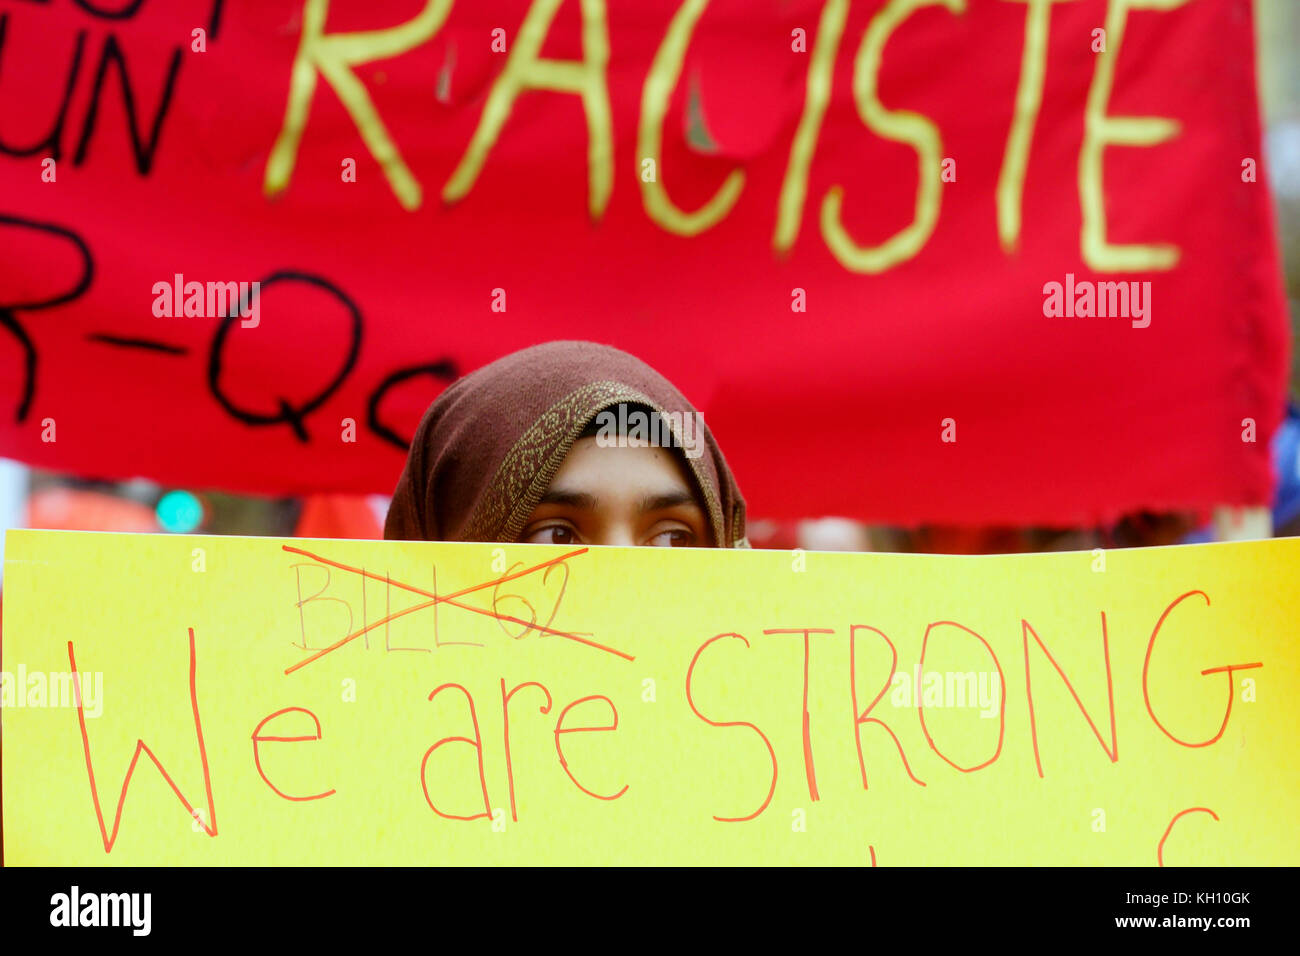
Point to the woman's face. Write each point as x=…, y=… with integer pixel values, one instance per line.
x=631, y=494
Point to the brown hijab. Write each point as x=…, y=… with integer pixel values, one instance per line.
x=487, y=449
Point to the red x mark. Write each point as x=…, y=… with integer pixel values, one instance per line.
x=447, y=599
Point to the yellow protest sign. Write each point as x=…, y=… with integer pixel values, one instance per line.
x=184, y=700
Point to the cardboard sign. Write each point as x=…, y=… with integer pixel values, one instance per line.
x=244, y=245
x=203, y=700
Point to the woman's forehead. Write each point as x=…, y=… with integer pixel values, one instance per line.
x=628, y=471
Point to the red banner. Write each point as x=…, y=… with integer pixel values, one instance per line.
x=965, y=261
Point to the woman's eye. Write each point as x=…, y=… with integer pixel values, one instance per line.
x=676, y=538
x=554, y=534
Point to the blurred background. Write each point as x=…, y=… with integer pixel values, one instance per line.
x=42, y=499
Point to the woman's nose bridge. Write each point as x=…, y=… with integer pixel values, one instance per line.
x=618, y=534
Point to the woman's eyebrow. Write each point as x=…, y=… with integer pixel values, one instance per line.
x=573, y=499
x=671, y=499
